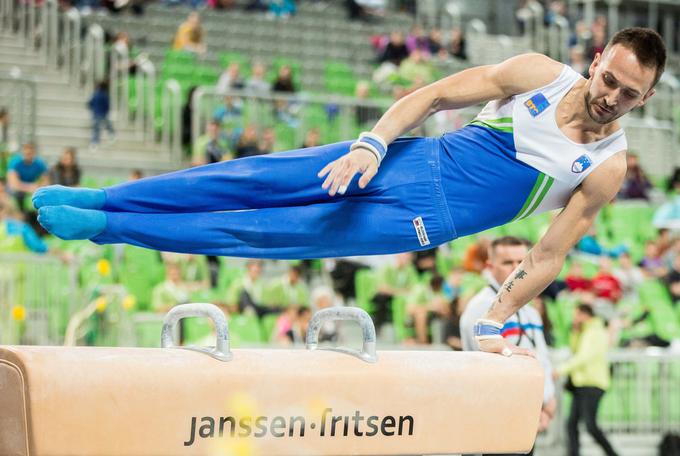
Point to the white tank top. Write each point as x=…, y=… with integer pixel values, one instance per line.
x=539, y=142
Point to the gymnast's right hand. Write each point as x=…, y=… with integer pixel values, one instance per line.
x=341, y=171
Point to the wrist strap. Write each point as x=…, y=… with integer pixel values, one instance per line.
x=487, y=329
x=372, y=142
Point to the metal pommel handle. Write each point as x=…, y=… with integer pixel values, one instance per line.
x=367, y=352
x=221, y=349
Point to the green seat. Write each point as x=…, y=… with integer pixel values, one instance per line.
x=268, y=323
x=366, y=286
x=244, y=329
x=227, y=58
x=180, y=57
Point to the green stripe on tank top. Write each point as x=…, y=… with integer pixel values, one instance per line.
x=539, y=200
x=504, y=120
x=483, y=123
x=530, y=198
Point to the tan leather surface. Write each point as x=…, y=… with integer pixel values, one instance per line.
x=13, y=432
x=133, y=401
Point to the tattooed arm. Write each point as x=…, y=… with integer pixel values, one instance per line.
x=544, y=262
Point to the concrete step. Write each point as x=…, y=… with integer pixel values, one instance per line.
x=53, y=144
x=84, y=131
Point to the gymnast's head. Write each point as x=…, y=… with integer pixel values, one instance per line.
x=623, y=77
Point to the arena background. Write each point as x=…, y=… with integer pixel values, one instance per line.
x=173, y=80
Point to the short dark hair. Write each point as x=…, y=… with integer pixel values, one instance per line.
x=586, y=309
x=646, y=44
x=509, y=241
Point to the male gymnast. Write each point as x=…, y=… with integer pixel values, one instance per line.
x=546, y=139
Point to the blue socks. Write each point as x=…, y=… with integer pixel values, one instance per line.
x=70, y=223
x=58, y=195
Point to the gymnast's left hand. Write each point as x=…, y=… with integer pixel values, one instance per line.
x=503, y=347
x=341, y=171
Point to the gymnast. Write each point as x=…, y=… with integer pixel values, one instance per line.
x=546, y=139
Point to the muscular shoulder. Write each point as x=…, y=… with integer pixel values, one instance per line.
x=526, y=72
x=603, y=183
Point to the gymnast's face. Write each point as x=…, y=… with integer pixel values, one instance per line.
x=618, y=84
x=503, y=259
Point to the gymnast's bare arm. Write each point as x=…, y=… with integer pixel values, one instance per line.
x=544, y=262
x=476, y=85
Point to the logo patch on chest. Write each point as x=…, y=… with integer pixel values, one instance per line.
x=581, y=164
x=537, y=104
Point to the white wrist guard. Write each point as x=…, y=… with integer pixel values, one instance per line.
x=487, y=329
x=372, y=142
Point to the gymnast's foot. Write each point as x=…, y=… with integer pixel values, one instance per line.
x=58, y=195
x=70, y=223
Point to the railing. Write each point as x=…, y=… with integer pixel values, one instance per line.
x=57, y=38
x=260, y=107
x=37, y=296
x=18, y=96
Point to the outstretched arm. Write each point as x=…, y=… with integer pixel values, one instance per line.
x=544, y=262
x=469, y=87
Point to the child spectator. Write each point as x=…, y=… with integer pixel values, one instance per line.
x=66, y=172
x=99, y=106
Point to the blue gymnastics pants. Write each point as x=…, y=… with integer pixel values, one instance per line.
x=273, y=206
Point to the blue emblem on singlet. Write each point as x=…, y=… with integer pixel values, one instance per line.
x=581, y=164
x=537, y=104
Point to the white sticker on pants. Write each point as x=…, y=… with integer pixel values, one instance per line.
x=420, y=231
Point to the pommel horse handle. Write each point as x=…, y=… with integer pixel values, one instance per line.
x=367, y=352
x=221, y=350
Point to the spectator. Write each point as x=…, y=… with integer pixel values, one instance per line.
x=367, y=10
x=415, y=68
x=66, y=172
x=290, y=290
x=393, y=280
x=590, y=245
x=365, y=114
x=18, y=236
x=589, y=377
x=668, y=214
x=221, y=4
x=424, y=304
x=629, y=276
x=25, y=173
x=247, y=144
x=322, y=298
x=434, y=42
x=4, y=128
x=606, y=288
x=257, y=82
x=672, y=279
x=598, y=40
x=171, y=292
x=229, y=114
x=417, y=39
x=256, y=5
x=230, y=78
x=524, y=328
x=188, y=119
x=212, y=147
x=457, y=46
x=284, y=80
x=396, y=50
x=136, y=174
x=267, y=143
x=652, y=264
x=99, y=107
x=312, y=138
x=282, y=9
x=247, y=292
x=452, y=324
x=575, y=279
x=577, y=60
x=189, y=36
x=476, y=256
x=636, y=185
